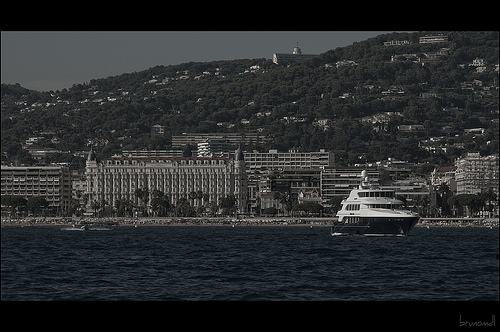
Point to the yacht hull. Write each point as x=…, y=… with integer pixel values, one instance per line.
x=376, y=226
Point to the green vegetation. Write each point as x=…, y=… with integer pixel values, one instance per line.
x=308, y=105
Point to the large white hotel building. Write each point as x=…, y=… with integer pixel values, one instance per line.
x=118, y=178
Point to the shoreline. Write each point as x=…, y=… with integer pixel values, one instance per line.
x=229, y=222
x=168, y=221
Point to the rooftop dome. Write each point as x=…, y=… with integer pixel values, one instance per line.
x=297, y=50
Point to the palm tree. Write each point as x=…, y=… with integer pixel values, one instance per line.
x=489, y=196
x=422, y=204
x=443, y=189
x=192, y=196
x=160, y=202
x=121, y=206
x=36, y=203
x=95, y=205
x=143, y=195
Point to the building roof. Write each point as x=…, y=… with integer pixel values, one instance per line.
x=166, y=158
x=446, y=169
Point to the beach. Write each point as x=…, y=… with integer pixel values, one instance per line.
x=170, y=221
x=229, y=221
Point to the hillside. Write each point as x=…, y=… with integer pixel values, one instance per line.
x=366, y=102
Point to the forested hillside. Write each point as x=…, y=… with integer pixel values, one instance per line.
x=366, y=102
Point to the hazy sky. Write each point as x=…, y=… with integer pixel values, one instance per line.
x=55, y=60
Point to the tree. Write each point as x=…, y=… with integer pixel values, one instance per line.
x=422, y=205
x=192, y=196
x=186, y=151
x=472, y=201
x=443, y=191
x=334, y=203
x=96, y=206
x=309, y=208
x=213, y=208
x=160, y=203
x=284, y=199
x=36, y=203
x=184, y=209
x=124, y=207
x=143, y=195
x=228, y=204
x=489, y=196
x=14, y=202
x=272, y=211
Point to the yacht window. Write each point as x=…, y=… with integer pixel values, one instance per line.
x=353, y=207
x=380, y=206
x=352, y=219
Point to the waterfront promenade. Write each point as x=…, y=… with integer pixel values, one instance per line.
x=230, y=221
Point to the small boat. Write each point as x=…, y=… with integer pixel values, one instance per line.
x=85, y=228
x=75, y=228
x=370, y=210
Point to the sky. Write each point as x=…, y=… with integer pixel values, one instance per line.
x=55, y=60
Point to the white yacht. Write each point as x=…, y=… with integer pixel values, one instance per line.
x=370, y=210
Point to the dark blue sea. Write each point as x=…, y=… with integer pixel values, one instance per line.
x=247, y=264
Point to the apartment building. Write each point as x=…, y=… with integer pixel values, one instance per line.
x=275, y=160
x=433, y=39
x=50, y=182
x=476, y=174
x=180, y=141
x=339, y=181
x=214, y=148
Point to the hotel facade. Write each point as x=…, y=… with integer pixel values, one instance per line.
x=118, y=178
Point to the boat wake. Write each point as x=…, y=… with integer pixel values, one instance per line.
x=86, y=228
x=71, y=229
x=339, y=234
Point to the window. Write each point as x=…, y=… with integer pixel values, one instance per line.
x=353, y=207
